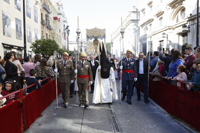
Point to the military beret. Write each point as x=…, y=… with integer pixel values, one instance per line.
x=83, y=54
x=128, y=51
x=65, y=53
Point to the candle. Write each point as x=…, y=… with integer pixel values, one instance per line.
x=78, y=22
x=121, y=23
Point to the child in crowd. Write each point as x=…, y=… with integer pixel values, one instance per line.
x=2, y=101
x=32, y=80
x=9, y=88
x=194, y=83
x=182, y=75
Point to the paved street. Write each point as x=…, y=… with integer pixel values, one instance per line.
x=136, y=118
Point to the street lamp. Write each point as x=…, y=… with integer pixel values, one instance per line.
x=68, y=31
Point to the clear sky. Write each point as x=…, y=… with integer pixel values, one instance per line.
x=96, y=13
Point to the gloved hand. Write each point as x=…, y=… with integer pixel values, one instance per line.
x=75, y=71
x=55, y=70
x=99, y=67
x=72, y=81
x=113, y=80
x=121, y=67
x=91, y=82
x=135, y=79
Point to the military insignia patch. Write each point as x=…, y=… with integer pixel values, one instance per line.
x=86, y=66
x=105, y=70
x=132, y=63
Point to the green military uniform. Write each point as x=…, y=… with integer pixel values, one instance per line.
x=83, y=71
x=65, y=77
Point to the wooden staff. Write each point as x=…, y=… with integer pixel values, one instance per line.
x=99, y=72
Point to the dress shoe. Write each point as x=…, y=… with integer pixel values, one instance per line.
x=146, y=101
x=123, y=97
x=65, y=105
x=86, y=106
x=138, y=98
x=129, y=102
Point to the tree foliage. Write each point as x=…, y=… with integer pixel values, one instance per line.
x=45, y=47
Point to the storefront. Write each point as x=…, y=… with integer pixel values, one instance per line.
x=8, y=47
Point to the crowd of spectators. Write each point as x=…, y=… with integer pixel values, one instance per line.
x=14, y=75
x=177, y=69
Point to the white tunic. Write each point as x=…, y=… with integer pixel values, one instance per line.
x=107, y=90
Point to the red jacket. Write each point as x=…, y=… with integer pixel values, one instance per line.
x=10, y=98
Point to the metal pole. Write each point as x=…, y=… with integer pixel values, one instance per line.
x=68, y=40
x=121, y=71
x=24, y=24
x=55, y=55
x=78, y=37
x=197, y=37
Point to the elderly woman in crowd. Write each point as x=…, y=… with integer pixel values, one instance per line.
x=43, y=71
x=37, y=60
x=50, y=63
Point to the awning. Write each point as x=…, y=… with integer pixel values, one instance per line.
x=9, y=46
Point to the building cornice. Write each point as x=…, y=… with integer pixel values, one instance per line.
x=150, y=3
x=159, y=13
x=147, y=22
x=174, y=3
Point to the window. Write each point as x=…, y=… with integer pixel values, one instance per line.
x=41, y=16
x=46, y=36
x=150, y=27
x=182, y=14
x=143, y=14
x=160, y=21
x=151, y=9
x=59, y=8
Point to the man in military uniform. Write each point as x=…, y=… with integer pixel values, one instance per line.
x=84, y=75
x=64, y=67
x=129, y=74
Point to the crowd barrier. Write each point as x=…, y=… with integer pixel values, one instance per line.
x=177, y=101
x=20, y=114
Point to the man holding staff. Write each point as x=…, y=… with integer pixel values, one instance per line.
x=84, y=76
x=129, y=74
x=65, y=67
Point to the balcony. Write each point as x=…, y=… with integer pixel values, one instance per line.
x=49, y=27
x=43, y=22
x=46, y=8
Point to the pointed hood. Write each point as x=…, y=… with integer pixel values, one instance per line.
x=105, y=64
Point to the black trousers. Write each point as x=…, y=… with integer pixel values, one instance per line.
x=71, y=89
x=144, y=81
x=92, y=87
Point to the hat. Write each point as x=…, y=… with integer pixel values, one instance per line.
x=128, y=51
x=65, y=53
x=83, y=54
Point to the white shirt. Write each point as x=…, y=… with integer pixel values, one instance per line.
x=141, y=67
x=92, y=62
x=64, y=62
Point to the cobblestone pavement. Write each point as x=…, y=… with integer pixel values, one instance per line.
x=136, y=118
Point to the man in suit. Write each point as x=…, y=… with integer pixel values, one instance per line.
x=84, y=75
x=142, y=76
x=129, y=75
x=111, y=61
x=94, y=65
x=65, y=67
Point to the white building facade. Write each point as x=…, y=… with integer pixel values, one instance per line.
x=131, y=35
x=11, y=26
x=167, y=24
